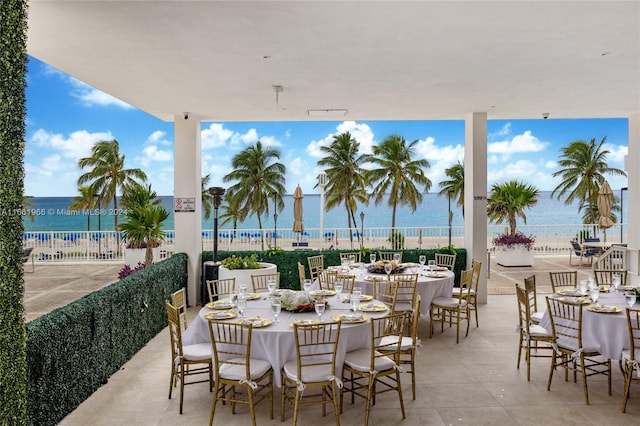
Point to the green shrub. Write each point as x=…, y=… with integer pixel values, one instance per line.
x=73, y=350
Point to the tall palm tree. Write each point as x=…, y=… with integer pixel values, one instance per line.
x=345, y=176
x=454, y=187
x=231, y=212
x=207, y=198
x=508, y=201
x=584, y=165
x=28, y=207
x=107, y=173
x=397, y=175
x=258, y=177
x=84, y=201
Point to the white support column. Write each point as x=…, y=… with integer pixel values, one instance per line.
x=633, y=196
x=187, y=178
x=475, y=200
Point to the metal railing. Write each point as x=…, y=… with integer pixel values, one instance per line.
x=109, y=245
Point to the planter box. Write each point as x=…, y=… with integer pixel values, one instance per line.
x=515, y=256
x=243, y=276
x=133, y=256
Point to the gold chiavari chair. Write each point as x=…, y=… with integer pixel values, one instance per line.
x=446, y=260
x=186, y=360
x=375, y=370
x=570, y=353
x=259, y=282
x=530, y=332
x=236, y=373
x=454, y=309
x=356, y=255
x=301, y=273
x=631, y=356
x=316, y=265
x=387, y=256
x=404, y=287
x=530, y=286
x=179, y=301
x=218, y=288
x=476, y=266
x=314, y=367
x=604, y=277
x=563, y=280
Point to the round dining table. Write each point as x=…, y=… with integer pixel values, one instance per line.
x=275, y=342
x=607, y=331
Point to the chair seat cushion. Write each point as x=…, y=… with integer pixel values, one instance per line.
x=310, y=373
x=257, y=368
x=536, y=317
x=197, y=352
x=448, y=302
x=405, y=344
x=402, y=307
x=456, y=291
x=572, y=345
x=360, y=360
x=538, y=331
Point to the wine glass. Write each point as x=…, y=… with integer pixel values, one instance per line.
x=242, y=289
x=355, y=298
x=271, y=285
x=387, y=269
x=431, y=265
x=422, y=259
x=306, y=284
x=276, y=307
x=616, y=280
x=352, y=259
x=630, y=297
x=396, y=257
x=372, y=258
x=242, y=304
x=594, y=294
x=583, y=287
x=320, y=306
x=338, y=288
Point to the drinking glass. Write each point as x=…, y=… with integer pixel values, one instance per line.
x=306, y=284
x=271, y=285
x=320, y=306
x=594, y=293
x=242, y=304
x=352, y=259
x=630, y=297
x=276, y=307
x=431, y=265
x=422, y=259
x=372, y=258
x=388, y=268
x=338, y=288
x=396, y=257
x=616, y=280
x=583, y=287
x=355, y=300
x=242, y=289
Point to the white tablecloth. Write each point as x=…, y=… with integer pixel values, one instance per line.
x=276, y=343
x=606, y=331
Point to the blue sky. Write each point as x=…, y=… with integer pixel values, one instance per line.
x=65, y=117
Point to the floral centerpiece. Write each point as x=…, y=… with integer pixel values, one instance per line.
x=241, y=262
x=297, y=301
x=510, y=241
x=378, y=267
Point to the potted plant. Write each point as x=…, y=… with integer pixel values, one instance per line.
x=507, y=202
x=142, y=228
x=243, y=267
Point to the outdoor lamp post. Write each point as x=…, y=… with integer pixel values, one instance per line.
x=450, y=192
x=275, y=221
x=622, y=211
x=322, y=182
x=361, y=230
x=99, y=215
x=217, y=193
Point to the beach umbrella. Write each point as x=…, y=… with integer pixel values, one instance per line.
x=605, y=195
x=298, y=226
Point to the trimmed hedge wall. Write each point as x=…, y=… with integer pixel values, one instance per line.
x=73, y=350
x=287, y=261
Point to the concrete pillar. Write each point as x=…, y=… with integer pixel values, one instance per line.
x=475, y=199
x=633, y=197
x=187, y=178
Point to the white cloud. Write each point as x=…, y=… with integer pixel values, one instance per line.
x=525, y=142
x=215, y=136
x=76, y=146
x=501, y=133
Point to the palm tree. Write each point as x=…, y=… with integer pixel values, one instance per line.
x=28, y=207
x=107, y=173
x=84, y=201
x=584, y=166
x=207, y=198
x=345, y=176
x=397, y=174
x=258, y=177
x=508, y=200
x=231, y=212
x=454, y=187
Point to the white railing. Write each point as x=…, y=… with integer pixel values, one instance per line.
x=108, y=245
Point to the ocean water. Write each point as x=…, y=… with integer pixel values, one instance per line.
x=53, y=214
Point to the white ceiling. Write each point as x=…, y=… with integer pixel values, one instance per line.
x=391, y=60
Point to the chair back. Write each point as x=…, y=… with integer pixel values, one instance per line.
x=387, y=256
x=316, y=347
x=386, y=338
x=414, y=321
x=524, y=309
x=301, y=273
x=175, y=332
x=530, y=286
x=563, y=279
x=446, y=260
x=231, y=343
x=259, y=282
x=179, y=301
x=384, y=291
x=604, y=277
x=566, y=323
x=404, y=287
x=633, y=323
x=357, y=255
x=316, y=265
x=327, y=279
x=217, y=288
x=466, y=284
x=576, y=248
x=477, y=268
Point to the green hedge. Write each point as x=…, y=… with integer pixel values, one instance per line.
x=287, y=261
x=73, y=350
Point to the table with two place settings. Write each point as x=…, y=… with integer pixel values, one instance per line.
x=275, y=342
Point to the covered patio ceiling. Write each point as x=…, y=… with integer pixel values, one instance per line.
x=391, y=60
